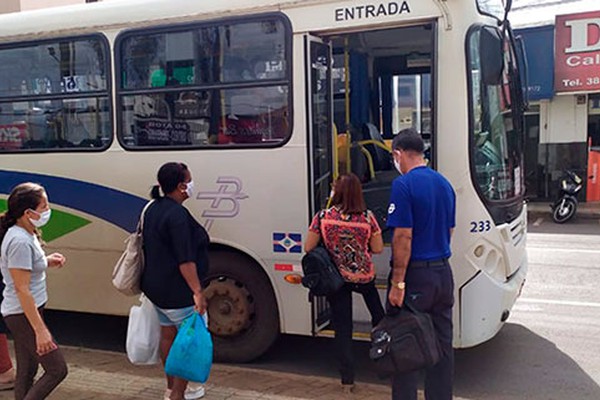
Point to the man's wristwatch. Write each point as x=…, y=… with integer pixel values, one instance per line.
x=399, y=285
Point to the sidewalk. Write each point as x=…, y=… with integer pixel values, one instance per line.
x=102, y=375
x=584, y=210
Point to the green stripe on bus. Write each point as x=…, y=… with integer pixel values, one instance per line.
x=60, y=224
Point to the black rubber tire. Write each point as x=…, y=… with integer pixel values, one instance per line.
x=561, y=219
x=264, y=323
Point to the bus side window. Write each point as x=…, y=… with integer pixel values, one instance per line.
x=62, y=92
x=227, y=84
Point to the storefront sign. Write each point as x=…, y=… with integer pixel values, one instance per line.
x=577, y=67
x=539, y=52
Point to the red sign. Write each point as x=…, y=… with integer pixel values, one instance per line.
x=577, y=51
x=13, y=136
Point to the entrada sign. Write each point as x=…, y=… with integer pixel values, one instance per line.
x=577, y=51
x=375, y=10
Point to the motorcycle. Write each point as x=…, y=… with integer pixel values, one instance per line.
x=565, y=207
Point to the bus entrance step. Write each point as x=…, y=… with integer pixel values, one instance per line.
x=361, y=331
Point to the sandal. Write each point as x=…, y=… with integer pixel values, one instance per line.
x=7, y=379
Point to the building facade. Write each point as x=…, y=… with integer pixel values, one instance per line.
x=7, y=6
x=562, y=47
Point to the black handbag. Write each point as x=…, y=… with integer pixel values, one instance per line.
x=321, y=275
x=404, y=341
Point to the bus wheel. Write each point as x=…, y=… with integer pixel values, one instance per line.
x=242, y=309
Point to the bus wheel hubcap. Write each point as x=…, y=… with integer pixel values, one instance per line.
x=230, y=308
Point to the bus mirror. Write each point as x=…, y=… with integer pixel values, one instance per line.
x=491, y=56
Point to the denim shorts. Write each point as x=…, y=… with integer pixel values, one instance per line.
x=173, y=316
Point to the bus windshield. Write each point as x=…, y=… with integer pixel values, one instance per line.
x=496, y=132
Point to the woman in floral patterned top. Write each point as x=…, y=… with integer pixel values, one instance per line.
x=350, y=233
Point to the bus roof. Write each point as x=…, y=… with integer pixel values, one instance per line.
x=128, y=13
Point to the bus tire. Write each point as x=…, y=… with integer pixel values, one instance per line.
x=242, y=309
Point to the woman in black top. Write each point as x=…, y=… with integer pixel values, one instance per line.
x=176, y=259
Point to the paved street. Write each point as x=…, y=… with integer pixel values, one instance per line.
x=548, y=349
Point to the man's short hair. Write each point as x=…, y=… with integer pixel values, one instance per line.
x=409, y=140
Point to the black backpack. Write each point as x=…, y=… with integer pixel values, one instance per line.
x=321, y=276
x=404, y=341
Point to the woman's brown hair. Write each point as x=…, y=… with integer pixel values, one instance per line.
x=348, y=195
x=22, y=198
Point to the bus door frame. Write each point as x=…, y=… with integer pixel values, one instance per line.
x=319, y=181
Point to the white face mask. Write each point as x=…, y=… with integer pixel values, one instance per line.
x=397, y=165
x=190, y=189
x=44, y=218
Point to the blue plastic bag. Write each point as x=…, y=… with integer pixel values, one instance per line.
x=191, y=354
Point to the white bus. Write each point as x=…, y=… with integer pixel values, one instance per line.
x=266, y=101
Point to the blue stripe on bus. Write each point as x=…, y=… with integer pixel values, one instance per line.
x=119, y=208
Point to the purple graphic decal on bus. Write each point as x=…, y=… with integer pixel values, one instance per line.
x=225, y=201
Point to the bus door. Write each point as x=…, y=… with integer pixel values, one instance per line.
x=320, y=143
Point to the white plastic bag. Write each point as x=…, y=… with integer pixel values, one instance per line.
x=143, y=334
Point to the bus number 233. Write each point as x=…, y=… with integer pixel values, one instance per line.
x=480, y=226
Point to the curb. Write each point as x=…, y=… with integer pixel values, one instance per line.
x=544, y=210
x=578, y=215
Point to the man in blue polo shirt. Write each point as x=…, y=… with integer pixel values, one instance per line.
x=422, y=213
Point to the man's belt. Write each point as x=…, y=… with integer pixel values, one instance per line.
x=427, y=264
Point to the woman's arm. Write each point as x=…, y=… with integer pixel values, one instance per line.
x=312, y=240
x=376, y=240
x=190, y=274
x=376, y=243
x=22, y=279
x=313, y=237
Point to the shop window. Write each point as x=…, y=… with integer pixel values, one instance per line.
x=555, y=158
x=534, y=167
x=594, y=121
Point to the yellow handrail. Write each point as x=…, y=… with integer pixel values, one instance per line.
x=336, y=156
x=376, y=143
x=369, y=158
x=347, y=102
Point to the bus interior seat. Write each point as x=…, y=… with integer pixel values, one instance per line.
x=358, y=164
x=35, y=144
x=60, y=143
x=94, y=143
x=381, y=158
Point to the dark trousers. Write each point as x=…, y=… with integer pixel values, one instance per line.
x=341, y=316
x=55, y=368
x=431, y=290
